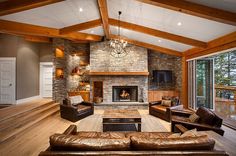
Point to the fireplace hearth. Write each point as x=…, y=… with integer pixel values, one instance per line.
x=124, y=93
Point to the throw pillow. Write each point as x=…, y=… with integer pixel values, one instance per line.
x=166, y=103
x=194, y=118
x=190, y=133
x=76, y=99
x=175, y=135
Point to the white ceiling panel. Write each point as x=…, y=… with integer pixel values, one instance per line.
x=150, y=39
x=96, y=31
x=58, y=15
x=166, y=20
x=228, y=5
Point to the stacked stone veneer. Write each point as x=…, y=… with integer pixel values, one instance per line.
x=62, y=85
x=135, y=61
x=159, y=61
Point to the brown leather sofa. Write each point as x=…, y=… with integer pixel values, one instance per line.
x=208, y=120
x=161, y=111
x=76, y=112
x=72, y=142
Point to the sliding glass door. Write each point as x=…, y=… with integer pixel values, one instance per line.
x=204, y=83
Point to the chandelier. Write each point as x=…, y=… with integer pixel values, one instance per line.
x=118, y=46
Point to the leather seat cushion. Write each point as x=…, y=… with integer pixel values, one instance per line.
x=159, y=108
x=148, y=134
x=83, y=108
x=179, y=118
x=75, y=142
x=111, y=135
x=190, y=143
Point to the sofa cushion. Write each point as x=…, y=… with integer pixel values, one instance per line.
x=111, y=135
x=190, y=143
x=166, y=103
x=206, y=116
x=159, y=108
x=75, y=142
x=148, y=134
x=83, y=108
x=190, y=133
x=175, y=135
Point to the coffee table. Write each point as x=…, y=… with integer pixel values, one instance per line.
x=121, y=120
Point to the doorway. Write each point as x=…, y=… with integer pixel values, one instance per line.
x=7, y=80
x=46, y=72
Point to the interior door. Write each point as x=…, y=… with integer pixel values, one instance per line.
x=205, y=83
x=7, y=80
x=46, y=80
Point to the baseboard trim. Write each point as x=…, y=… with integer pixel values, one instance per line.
x=27, y=99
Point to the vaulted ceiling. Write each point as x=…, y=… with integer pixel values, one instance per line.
x=168, y=26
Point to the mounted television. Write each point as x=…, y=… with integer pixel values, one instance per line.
x=162, y=76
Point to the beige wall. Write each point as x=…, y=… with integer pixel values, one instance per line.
x=45, y=52
x=27, y=64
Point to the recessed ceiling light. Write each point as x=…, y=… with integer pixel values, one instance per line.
x=91, y=31
x=80, y=9
x=179, y=23
x=159, y=41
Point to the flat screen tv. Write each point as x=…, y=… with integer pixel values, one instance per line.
x=162, y=76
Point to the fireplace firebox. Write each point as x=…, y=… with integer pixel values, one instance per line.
x=124, y=93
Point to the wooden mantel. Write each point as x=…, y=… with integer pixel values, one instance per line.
x=94, y=73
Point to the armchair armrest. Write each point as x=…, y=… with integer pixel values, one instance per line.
x=155, y=103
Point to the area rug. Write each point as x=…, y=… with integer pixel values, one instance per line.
x=149, y=123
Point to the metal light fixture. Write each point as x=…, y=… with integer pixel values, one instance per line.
x=118, y=46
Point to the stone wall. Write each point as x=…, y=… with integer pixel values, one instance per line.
x=159, y=61
x=62, y=85
x=102, y=61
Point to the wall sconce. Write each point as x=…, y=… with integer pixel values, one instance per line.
x=59, y=73
x=59, y=52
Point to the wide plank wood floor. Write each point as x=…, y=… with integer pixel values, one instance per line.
x=35, y=139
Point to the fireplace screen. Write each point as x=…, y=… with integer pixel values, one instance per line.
x=124, y=94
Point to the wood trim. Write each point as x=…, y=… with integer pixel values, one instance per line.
x=216, y=45
x=40, y=39
x=184, y=92
x=104, y=15
x=14, y=6
x=195, y=10
x=158, y=33
x=149, y=46
x=81, y=26
x=34, y=30
x=94, y=73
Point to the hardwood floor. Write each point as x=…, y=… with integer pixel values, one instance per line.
x=36, y=138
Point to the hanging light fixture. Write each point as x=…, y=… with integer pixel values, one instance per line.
x=118, y=46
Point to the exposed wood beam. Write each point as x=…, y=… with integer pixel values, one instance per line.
x=28, y=29
x=14, y=6
x=81, y=26
x=214, y=46
x=195, y=10
x=149, y=46
x=158, y=33
x=40, y=39
x=104, y=15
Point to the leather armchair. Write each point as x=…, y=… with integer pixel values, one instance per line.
x=208, y=120
x=76, y=112
x=160, y=111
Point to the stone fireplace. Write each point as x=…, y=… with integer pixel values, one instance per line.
x=124, y=93
x=130, y=77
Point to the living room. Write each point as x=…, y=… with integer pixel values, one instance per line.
x=107, y=77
